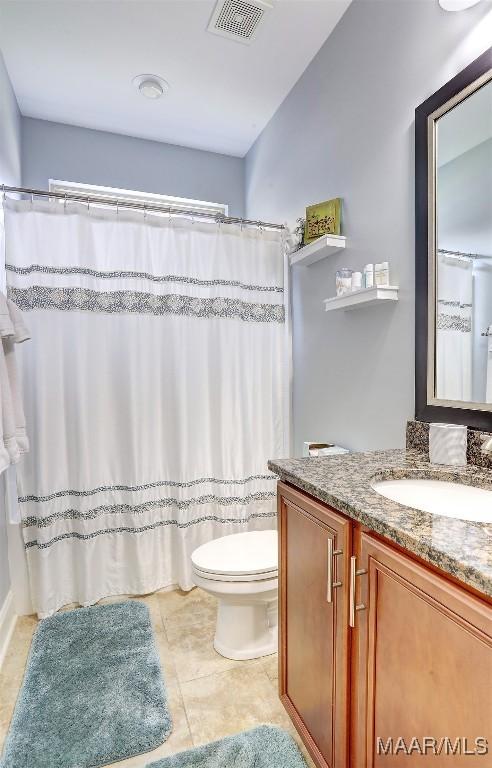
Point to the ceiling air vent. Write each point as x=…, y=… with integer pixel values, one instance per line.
x=238, y=19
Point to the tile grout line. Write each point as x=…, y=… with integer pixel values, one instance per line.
x=186, y=713
x=251, y=663
x=178, y=682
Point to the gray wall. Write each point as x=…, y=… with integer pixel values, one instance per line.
x=10, y=173
x=347, y=129
x=10, y=131
x=57, y=151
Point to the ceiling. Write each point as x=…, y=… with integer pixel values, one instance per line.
x=73, y=61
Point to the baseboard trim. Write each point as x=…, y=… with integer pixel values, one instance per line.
x=8, y=617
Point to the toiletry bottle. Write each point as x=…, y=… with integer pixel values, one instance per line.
x=369, y=276
x=356, y=281
x=381, y=273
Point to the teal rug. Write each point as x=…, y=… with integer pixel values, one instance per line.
x=92, y=693
x=262, y=747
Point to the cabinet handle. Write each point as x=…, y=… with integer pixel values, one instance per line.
x=353, y=574
x=330, y=584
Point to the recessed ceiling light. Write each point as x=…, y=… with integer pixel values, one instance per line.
x=457, y=5
x=151, y=86
x=151, y=89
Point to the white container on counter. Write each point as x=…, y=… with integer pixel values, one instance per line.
x=447, y=444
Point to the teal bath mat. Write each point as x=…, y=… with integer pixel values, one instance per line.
x=92, y=693
x=262, y=747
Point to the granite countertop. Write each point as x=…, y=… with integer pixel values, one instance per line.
x=458, y=547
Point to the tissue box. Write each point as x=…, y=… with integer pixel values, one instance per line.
x=322, y=449
x=447, y=444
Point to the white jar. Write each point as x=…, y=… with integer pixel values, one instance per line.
x=343, y=281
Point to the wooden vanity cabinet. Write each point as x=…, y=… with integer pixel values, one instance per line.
x=314, y=652
x=414, y=659
x=423, y=654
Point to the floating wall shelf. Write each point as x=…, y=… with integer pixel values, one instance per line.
x=364, y=298
x=326, y=245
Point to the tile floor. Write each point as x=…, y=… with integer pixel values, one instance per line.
x=209, y=696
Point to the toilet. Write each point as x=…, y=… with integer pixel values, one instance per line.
x=241, y=571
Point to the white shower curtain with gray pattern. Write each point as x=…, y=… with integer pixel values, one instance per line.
x=156, y=389
x=454, y=341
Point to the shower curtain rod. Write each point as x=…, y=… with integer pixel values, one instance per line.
x=462, y=253
x=145, y=207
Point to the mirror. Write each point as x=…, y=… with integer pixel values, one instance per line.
x=454, y=248
x=463, y=256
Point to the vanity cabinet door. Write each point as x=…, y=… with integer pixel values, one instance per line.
x=423, y=661
x=313, y=658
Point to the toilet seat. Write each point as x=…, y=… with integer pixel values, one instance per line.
x=249, y=556
x=236, y=577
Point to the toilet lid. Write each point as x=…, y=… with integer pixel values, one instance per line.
x=241, y=554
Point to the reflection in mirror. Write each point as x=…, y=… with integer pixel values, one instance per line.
x=463, y=341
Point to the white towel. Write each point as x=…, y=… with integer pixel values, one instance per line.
x=16, y=397
x=11, y=499
x=10, y=453
x=6, y=325
x=13, y=436
x=488, y=395
x=21, y=332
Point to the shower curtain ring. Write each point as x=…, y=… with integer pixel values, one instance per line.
x=65, y=203
x=88, y=204
x=145, y=212
x=117, y=207
x=32, y=198
x=3, y=193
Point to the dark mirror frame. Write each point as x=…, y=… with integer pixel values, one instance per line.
x=471, y=417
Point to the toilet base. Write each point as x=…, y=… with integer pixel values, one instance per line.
x=242, y=655
x=246, y=630
x=246, y=617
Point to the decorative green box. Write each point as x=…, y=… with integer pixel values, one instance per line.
x=322, y=219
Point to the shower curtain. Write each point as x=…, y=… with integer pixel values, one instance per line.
x=454, y=341
x=156, y=388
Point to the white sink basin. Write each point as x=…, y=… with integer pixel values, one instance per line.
x=439, y=497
